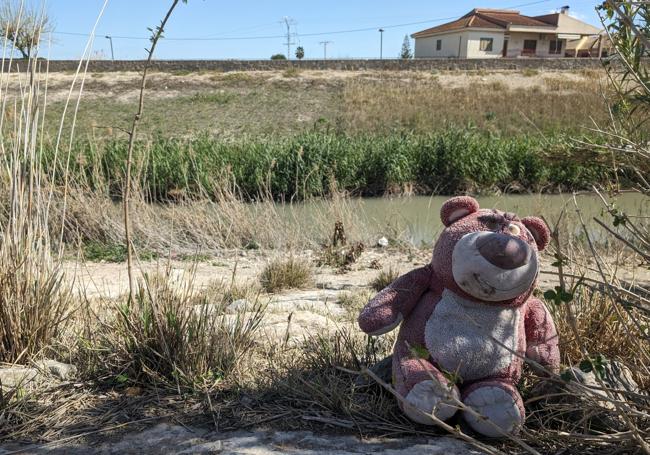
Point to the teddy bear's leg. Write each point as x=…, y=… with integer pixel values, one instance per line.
x=425, y=389
x=499, y=402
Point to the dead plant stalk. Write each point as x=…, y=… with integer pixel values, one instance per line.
x=157, y=34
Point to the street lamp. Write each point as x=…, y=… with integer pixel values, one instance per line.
x=381, y=44
x=110, y=38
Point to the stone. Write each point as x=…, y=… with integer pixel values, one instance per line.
x=616, y=376
x=238, y=306
x=62, y=371
x=383, y=369
x=382, y=242
x=17, y=376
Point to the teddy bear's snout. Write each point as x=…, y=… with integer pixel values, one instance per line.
x=504, y=251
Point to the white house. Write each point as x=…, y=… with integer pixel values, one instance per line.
x=494, y=33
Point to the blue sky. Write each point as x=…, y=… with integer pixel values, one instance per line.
x=209, y=19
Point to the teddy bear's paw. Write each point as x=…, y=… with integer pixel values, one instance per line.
x=499, y=407
x=429, y=397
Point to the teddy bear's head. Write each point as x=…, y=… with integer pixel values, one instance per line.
x=488, y=255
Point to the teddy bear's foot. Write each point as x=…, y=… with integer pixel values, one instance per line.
x=431, y=397
x=500, y=406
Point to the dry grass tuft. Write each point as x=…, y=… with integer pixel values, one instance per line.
x=291, y=273
x=170, y=335
x=384, y=278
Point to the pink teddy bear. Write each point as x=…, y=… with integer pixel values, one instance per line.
x=469, y=315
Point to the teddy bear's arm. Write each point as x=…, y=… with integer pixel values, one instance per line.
x=541, y=336
x=387, y=309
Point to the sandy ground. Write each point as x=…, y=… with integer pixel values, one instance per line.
x=290, y=314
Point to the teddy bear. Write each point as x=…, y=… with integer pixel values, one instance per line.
x=469, y=320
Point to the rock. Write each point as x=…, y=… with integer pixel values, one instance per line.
x=62, y=371
x=17, y=376
x=585, y=406
x=616, y=376
x=383, y=369
x=382, y=242
x=238, y=306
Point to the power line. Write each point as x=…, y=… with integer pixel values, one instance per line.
x=334, y=32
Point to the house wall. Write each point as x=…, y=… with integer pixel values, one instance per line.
x=516, y=44
x=472, y=44
x=426, y=47
x=568, y=24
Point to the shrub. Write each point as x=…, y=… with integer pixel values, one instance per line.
x=384, y=278
x=278, y=57
x=285, y=274
x=169, y=335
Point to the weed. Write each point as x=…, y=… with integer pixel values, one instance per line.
x=384, y=278
x=113, y=252
x=220, y=97
x=556, y=84
x=169, y=336
x=530, y=72
x=285, y=274
x=291, y=72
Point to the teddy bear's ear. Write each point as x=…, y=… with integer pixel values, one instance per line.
x=456, y=208
x=539, y=230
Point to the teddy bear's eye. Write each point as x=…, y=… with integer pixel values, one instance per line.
x=513, y=229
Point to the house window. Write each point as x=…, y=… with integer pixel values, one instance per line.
x=439, y=45
x=486, y=44
x=555, y=47
x=530, y=47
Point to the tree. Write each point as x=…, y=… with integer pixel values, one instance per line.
x=278, y=57
x=23, y=26
x=300, y=53
x=406, y=48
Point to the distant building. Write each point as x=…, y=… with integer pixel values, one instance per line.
x=494, y=33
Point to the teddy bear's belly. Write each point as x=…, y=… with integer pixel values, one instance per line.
x=461, y=334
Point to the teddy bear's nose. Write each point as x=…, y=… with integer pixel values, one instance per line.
x=504, y=251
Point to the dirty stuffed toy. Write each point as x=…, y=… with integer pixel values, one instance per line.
x=468, y=319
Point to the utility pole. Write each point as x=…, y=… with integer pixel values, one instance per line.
x=381, y=44
x=325, y=43
x=288, y=22
x=110, y=38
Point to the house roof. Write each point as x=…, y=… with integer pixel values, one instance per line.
x=498, y=19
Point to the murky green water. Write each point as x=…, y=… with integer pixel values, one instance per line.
x=417, y=218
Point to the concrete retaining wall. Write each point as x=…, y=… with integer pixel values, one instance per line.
x=346, y=65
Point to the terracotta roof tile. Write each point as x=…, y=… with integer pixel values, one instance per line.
x=484, y=18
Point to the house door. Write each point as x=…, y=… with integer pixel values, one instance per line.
x=530, y=47
x=504, y=53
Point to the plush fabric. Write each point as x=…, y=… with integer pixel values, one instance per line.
x=467, y=319
x=470, y=338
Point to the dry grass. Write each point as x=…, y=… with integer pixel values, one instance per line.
x=291, y=273
x=170, y=335
x=427, y=105
x=293, y=101
x=384, y=278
